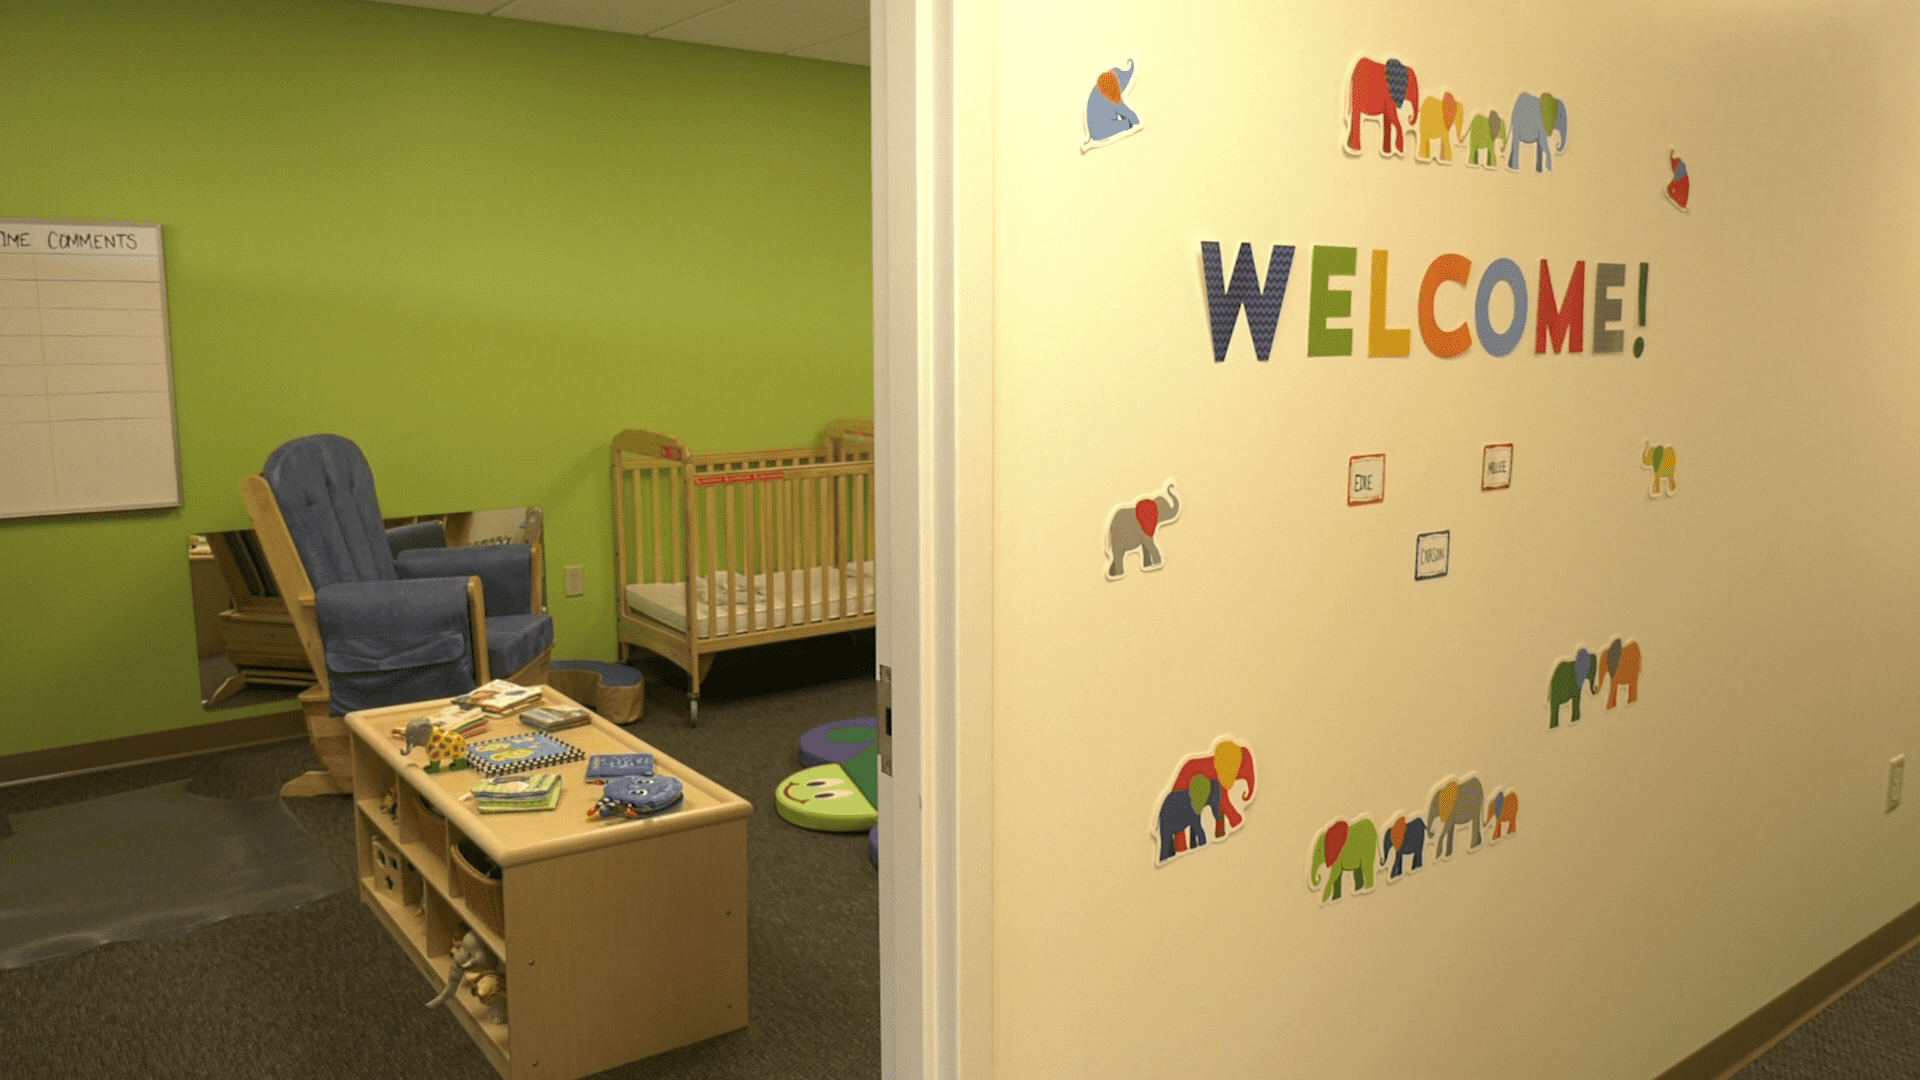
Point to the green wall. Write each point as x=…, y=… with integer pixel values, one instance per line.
x=476, y=246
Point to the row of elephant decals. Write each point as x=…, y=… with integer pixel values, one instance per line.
x=1204, y=782
x=1358, y=847
x=1617, y=666
x=1380, y=90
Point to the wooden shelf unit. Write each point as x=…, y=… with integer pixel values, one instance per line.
x=588, y=904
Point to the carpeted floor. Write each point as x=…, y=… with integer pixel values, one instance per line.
x=320, y=991
x=1871, y=1033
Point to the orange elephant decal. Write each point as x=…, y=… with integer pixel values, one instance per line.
x=1622, y=668
x=1503, y=813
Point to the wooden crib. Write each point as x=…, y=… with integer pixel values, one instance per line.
x=726, y=551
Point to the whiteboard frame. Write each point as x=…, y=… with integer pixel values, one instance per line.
x=166, y=348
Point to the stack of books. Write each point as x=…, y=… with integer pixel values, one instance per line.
x=500, y=698
x=554, y=717
x=508, y=794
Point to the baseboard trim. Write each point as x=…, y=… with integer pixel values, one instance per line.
x=152, y=746
x=1740, y=1044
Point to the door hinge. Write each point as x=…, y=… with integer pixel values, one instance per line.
x=883, y=688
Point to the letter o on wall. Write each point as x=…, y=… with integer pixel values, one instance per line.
x=1508, y=272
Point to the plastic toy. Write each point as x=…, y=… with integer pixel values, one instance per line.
x=441, y=744
x=475, y=966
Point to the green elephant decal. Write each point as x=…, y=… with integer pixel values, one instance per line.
x=1482, y=132
x=1344, y=847
x=1661, y=459
x=1568, y=677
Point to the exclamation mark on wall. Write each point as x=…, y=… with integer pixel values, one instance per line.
x=1640, y=343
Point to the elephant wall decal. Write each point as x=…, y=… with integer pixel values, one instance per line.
x=1381, y=89
x=1662, y=460
x=1344, y=847
x=1622, y=668
x=1444, y=121
x=1108, y=116
x=1179, y=825
x=1568, y=677
x=1482, y=132
x=1133, y=525
x=1404, y=837
x=1534, y=119
x=1503, y=813
x=1204, y=781
x=1455, y=803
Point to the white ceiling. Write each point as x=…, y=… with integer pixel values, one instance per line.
x=819, y=29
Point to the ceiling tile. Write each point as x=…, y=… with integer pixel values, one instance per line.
x=763, y=27
x=471, y=7
x=852, y=49
x=619, y=16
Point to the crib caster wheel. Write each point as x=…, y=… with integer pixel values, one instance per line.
x=693, y=712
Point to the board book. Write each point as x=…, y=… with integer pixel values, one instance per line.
x=514, y=753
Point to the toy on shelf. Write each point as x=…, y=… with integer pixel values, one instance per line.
x=636, y=796
x=441, y=744
x=474, y=966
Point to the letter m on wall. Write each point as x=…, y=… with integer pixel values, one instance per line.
x=1225, y=299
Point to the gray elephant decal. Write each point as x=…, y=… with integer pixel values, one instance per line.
x=1108, y=117
x=1455, y=803
x=1133, y=526
x=475, y=964
x=1534, y=119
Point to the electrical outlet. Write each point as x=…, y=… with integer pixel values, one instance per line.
x=1896, y=778
x=576, y=580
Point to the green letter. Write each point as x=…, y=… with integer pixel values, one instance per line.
x=1324, y=303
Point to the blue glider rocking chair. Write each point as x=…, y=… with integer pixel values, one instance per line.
x=386, y=616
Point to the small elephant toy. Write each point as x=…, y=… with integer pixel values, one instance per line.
x=441, y=744
x=475, y=966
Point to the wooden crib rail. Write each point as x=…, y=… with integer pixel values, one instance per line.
x=850, y=438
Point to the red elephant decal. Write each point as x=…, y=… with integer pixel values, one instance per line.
x=1380, y=90
x=1236, y=762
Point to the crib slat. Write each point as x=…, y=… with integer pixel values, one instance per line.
x=811, y=538
x=860, y=548
x=713, y=558
x=620, y=515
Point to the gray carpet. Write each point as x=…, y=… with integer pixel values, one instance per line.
x=1871, y=1033
x=320, y=991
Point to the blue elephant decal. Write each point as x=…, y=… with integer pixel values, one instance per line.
x=1402, y=838
x=1180, y=816
x=1108, y=115
x=1534, y=119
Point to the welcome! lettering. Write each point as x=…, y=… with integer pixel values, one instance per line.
x=1559, y=314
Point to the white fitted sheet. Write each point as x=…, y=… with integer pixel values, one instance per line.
x=666, y=602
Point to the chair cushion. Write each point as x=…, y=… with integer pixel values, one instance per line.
x=391, y=642
x=325, y=491
x=420, y=534
x=505, y=572
x=514, y=640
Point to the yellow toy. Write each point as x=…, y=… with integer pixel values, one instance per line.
x=441, y=744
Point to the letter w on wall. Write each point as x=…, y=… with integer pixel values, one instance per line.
x=1224, y=300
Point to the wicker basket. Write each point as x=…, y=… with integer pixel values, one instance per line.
x=432, y=823
x=482, y=893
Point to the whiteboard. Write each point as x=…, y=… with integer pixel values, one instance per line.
x=86, y=386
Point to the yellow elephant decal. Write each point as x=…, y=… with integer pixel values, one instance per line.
x=1661, y=460
x=1441, y=118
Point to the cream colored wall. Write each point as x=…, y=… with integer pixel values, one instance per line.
x=1679, y=862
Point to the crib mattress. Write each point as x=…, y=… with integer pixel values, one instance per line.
x=666, y=602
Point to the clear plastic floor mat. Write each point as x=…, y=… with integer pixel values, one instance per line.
x=145, y=863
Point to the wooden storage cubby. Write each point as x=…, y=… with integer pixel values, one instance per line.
x=586, y=902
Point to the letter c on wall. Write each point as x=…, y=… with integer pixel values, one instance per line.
x=1498, y=271
x=1443, y=343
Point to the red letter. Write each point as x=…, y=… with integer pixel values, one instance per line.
x=1570, y=315
x=1443, y=343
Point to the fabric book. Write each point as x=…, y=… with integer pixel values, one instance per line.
x=637, y=796
x=554, y=717
x=500, y=698
x=604, y=767
x=516, y=753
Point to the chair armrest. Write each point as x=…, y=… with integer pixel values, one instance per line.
x=388, y=642
x=420, y=534
x=505, y=570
